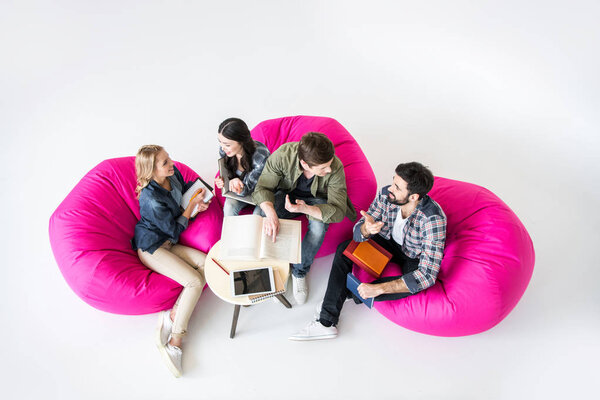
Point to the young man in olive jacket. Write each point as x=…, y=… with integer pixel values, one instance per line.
x=304, y=178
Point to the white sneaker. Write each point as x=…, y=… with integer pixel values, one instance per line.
x=315, y=331
x=299, y=289
x=172, y=356
x=164, y=328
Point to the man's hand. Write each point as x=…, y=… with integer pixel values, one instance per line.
x=271, y=223
x=370, y=227
x=236, y=185
x=299, y=207
x=367, y=290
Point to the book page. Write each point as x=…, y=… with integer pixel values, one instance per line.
x=241, y=237
x=287, y=244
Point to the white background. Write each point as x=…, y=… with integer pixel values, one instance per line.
x=504, y=94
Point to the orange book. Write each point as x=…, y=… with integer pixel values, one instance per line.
x=369, y=256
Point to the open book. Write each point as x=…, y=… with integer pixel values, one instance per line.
x=226, y=192
x=189, y=194
x=243, y=239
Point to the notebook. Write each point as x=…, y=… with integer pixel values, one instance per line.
x=279, y=289
x=352, y=284
x=190, y=194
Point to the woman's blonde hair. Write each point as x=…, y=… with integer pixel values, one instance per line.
x=145, y=160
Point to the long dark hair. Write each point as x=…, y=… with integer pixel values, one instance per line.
x=236, y=129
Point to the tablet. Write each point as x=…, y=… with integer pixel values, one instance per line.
x=252, y=281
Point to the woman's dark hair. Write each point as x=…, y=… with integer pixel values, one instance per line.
x=418, y=178
x=236, y=129
x=315, y=149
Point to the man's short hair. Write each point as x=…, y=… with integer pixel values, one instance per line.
x=418, y=177
x=315, y=149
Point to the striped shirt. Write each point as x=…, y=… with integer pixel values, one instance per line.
x=424, y=236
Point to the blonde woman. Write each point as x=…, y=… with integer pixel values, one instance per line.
x=160, y=188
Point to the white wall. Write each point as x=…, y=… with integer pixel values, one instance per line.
x=504, y=94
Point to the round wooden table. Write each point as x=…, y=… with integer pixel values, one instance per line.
x=219, y=281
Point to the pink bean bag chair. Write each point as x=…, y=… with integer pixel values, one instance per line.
x=487, y=265
x=360, y=179
x=90, y=234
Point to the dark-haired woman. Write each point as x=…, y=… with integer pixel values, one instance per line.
x=245, y=160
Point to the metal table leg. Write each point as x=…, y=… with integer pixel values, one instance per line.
x=284, y=301
x=236, y=314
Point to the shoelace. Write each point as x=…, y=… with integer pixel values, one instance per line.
x=301, y=284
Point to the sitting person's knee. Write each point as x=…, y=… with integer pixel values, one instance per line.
x=341, y=247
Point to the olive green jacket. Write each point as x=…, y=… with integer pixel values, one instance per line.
x=282, y=171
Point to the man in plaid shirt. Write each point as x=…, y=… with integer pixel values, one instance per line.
x=408, y=223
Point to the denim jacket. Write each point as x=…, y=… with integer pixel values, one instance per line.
x=160, y=214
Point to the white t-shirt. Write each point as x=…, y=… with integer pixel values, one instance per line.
x=398, y=229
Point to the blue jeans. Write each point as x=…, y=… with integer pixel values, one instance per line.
x=233, y=207
x=314, y=237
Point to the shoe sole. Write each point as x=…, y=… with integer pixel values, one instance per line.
x=169, y=362
x=157, y=338
x=307, y=338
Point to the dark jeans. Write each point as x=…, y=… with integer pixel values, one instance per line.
x=337, y=293
x=312, y=241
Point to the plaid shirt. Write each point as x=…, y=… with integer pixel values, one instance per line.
x=424, y=236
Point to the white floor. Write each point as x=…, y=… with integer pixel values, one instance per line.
x=504, y=94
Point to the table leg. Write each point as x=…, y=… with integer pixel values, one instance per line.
x=236, y=314
x=284, y=301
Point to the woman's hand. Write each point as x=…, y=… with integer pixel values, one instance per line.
x=236, y=185
x=203, y=206
x=197, y=200
x=219, y=182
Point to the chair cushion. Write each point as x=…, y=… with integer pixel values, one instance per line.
x=488, y=262
x=90, y=234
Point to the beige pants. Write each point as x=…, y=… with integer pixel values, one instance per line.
x=185, y=266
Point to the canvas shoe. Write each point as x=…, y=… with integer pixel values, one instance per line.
x=164, y=328
x=299, y=289
x=315, y=331
x=172, y=357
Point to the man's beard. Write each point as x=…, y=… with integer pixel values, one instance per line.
x=397, y=202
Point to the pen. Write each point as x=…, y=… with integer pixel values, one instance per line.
x=196, y=194
x=220, y=266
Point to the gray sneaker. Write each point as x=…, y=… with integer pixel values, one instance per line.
x=172, y=356
x=164, y=328
x=315, y=331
